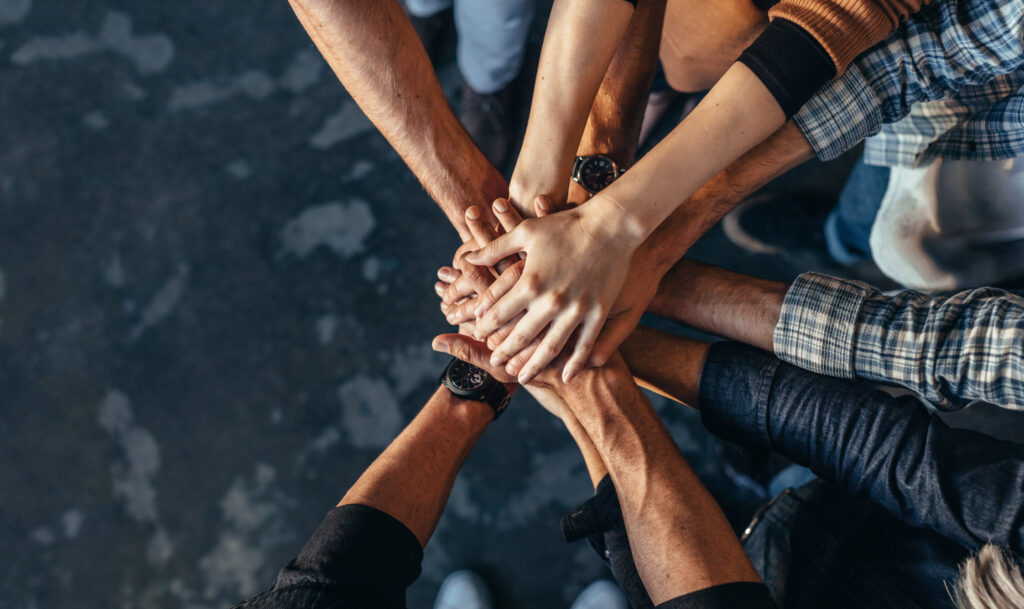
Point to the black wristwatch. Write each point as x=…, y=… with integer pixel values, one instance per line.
x=468, y=382
x=595, y=172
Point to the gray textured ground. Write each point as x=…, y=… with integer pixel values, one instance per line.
x=215, y=310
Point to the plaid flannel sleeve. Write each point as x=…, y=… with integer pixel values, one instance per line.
x=951, y=349
x=946, y=47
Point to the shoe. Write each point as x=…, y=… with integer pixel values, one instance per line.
x=779, y=224
x=486, y=119
x=602, y=594
x=463, y=590
x=431, y=30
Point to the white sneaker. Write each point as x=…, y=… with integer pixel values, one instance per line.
x=602, y=594
x=463, y=590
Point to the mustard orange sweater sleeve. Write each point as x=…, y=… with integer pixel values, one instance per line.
x=846, y=28
x=808, y=42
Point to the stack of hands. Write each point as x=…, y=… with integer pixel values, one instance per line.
x=529, y=289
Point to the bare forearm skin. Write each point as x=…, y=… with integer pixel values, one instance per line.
x=613, y=127
x=782, y=151
x=374, y=51
x=680, y=539
x=721, y=302
x=666, y=364
x=412, y=478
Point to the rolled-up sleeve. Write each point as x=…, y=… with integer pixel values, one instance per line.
x=935, y=53
x=950, y=349
x=359, y=557
x=959, y=483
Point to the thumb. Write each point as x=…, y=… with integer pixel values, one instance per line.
x=615, y=331
x=472, y=352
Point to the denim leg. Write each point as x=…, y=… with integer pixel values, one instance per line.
x=492, y=41
x=426, y=8
x=848, y=228
x=792, y=477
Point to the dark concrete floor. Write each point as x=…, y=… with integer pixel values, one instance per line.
x=215, y=310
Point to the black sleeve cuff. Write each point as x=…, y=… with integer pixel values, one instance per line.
x=735, y=387
x=360, y=550
x=748, y=595
x=790, y=62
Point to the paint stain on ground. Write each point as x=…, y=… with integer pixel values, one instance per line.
x=150, y=53
x=133, y=477
x=162, y=304
x=13, y=11
x=340, y=227
x=369, y=412
x=346, y=123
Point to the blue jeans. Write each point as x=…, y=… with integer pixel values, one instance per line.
x=492, y=38
x=848, y=227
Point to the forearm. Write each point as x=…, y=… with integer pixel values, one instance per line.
x=681, y=541
x=782, y=151
x=579, y=43
x=613, y=127
x=869, y=444
x=736, y=115
x=412, y=478
x=721, y=302
x=665, y=364
x=374, y=51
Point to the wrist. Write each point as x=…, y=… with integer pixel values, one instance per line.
x=603, y=214
x=469, y=415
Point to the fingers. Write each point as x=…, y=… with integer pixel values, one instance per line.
x=519, y=360
x=615, y=331
x=498, y=289
x=464, y=286
x=525, y=331
x=470, y=351
x=517, y=300
x=499, y=335
x=506, y=214
x=483, y=232
x=555, y=338
x=543, y=206
x=505, y=245
x=588, y=336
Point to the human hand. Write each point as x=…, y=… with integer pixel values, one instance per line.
x=566, y=283
x=544, y=387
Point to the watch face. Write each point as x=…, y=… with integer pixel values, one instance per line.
x=466, y=377
x=596, y=173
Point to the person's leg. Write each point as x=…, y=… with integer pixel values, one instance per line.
x=848, y=227
x=426, y=8
x=492, y=42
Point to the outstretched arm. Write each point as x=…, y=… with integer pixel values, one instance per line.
x=870, y=444
x=950, y=348
x=373, y=49
x=682, y=545
x=368, y=550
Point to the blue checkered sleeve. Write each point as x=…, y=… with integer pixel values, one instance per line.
x=950, y=349
x=946, y=48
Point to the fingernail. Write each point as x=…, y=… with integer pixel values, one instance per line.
x=444, y=274
x=473, y=213
x=451, y=318
x=524, y=378
x=567, y=375
x=500, y=206
x=480, y=310
x=439, y=344
x=542, y=203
